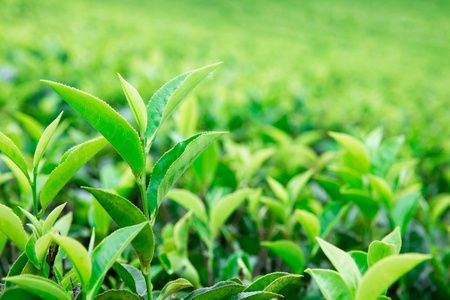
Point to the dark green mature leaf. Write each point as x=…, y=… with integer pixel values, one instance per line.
x=216, y=292
x=62, y=173
x=18, y=294
x=78, y=256
x=167, y=98
x=290, y=252
x=379, y=250
x=404, y=210
x=385, y=272
x=117, y=295
x=39, y=286
x=11, y=226
x=174, y=286
x=132, y=278
x=107, y=252
x=331, y=284
x=125, y=213
x=254, y=296
x=261, y=283
x=366, y=204
x=173, y=164
x=281, y=282
x=107, y=121
x=44, y=140
x=10, y=149
x=343, y=263
x=136, y=104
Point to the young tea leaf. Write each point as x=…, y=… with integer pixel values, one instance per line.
x=190, y=201
x=331, y=284
x=10, y=149
x=117, y=295
x=261, y=283
x=310, y=222
x=395, y=239
x=132, y=278
x=357, y=157
x=174, y=286
x=42, y=287
x=136, y=104
x=51, y=219
x=11, y=226
x=218, y=291
x=379, y=250
x=44, y=140
x=290, y=252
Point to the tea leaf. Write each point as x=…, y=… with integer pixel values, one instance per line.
x=281, y=282
x=290, y=252
x=360, y=259
x=107, y=121
x=11, y=226
x=166, y=99
x=117, y=295
x=379, y=250
x=218, y=291
x=51, y=219
x=357, y=157
x=404, y=210
x=136, y=104
x=190, y=201
x=261, y=283
x=107, y=252
x=78, y=256
x=253, y=296
x=383, y=190
x=173, y=164
x=278, y=189
x=44, y=140
x=385, y=272
x=395, y=239
x=62, y=173
x=331, y=284
x=223, y=209
x=125, y=213
x=18, y=293
x=10, y=149
x=343, y=263
x=32, y=126
x=310, y=222
x=42, y=287
x=132, y=278
x=174, y=286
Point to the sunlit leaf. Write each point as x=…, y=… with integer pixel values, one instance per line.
x=42, y=287
x=357, y=157
x=51, y=219
x=174, y=286
x=290, y=252
x=11, y=226
x=190, y=201
x=132, y=278
x=44, y=140
x=310, y=222
x=136, y=104
x=331, y=284
x=216, y=292
x=10, y=149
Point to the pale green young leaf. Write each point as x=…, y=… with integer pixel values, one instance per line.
x=10, y=149
x=278, y=189
x=290, y=252
x=181, y=233
x=11, y=226
x=44, y=140
x=277, y=207
x=357, y=157
x=33, y=221
x=42, y=287
x=166, y=99
x=383, y=190
x=42, y=245
x=173, y=164
x=331, y=284
x=65, y=171
x=78, y=256
x=394, y=238
x=379, y=250
x=172, y=287
x=190, y=201
x=310, y=222
x=51, y=218
x=31, y=251
x=136, y=104
x=223, y=209
x=343, y=263
x=297, y=183
x=404, y=210
x=438, y=205
x=107, y=252
x=107, y=121
x=33, y=127
x=125, y=213
x=132, y=278
x=385, y=272
x=218, y=291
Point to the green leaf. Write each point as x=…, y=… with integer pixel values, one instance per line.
x=357, y=157
x=78, y=256
x=281, y=282
x=379, y=250
x=383, y=190
x=11, y=226
x=394, y=238
x=167, y=98
x=278, y=189
x=360, y=258
x=33, y=221
x=261, y=283
x=310, y=222
x=42, y=245
x=10, y=149
x=39, y=286
x=277, y=207
x=190, y=201
x=297, y=183
x=18, y=293
x=136, y=104
x=31, y=252
x=205, y=166
x=385, y=272
x=18, y=266
x=44, y=140
x=107, y=121
x=331, y=284
x=343, y=263
x=173, y=164
x=222, y=210
x=404, y=210
x=51, y=219
x=366, y=204
x=132, y=278
x=34, y=128
x=290, y=252
x=62, y=173
x=107, y=252
x=439, y=204
x=218, y=291
x=174, y=286
x=117, y=295
x=22, y=180
x=253, y=296
x=125, y=213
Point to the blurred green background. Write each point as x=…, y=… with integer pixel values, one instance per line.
x=297, y=65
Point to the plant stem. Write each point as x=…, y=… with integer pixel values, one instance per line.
x=148, y=282
x=34, y=189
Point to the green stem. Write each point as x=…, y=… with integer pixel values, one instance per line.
x=34, y=189
x=148, y=282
